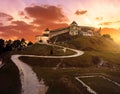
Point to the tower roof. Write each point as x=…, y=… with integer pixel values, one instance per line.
x=47, y=29
x=73, y=23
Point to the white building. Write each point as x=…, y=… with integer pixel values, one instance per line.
x=44, y=37
x=73, y=29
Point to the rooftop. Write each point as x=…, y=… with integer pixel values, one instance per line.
x=46, y=29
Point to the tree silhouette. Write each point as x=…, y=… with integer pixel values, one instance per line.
x=13, y=45
x=16, y=44
x=8, y=46
x=23, y=43
x=29, y=43
x=2, y=46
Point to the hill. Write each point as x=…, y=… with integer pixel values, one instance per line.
x=102, y=48
x=101, y=55
x=97, y=49
x=101, y=43
x=44, y=50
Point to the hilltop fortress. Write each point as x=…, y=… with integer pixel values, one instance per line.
x=72, y=30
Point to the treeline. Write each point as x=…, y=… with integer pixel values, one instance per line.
x=10, y=45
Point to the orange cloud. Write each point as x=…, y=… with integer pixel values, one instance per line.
x=109, y=23
x=5, y=19
x=18, y=29
x=80, y=12
x=106, y=23
x=23, y=15
x=99, y=18
x=47, y=16
x=19, y=23
x=46, y=13
x=1, y=24
x=44, y=16
x=5, y=16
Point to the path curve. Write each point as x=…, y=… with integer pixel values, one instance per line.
x=29, y=80
x=1, y=64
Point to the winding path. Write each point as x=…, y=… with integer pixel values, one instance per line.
x=29, y=80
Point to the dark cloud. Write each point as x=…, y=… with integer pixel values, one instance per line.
x=5, y=16
x=5, y=19
x=23, y=15
x=1, y=24
x=18, y=29
x=26, y=17
x=47, y=15
x=19, y=23
x=43, y=17
x=80, y=12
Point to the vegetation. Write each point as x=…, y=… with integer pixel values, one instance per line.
x=9, y=74
x=43, y=49
x=101, y=86
x=71, y=67
x=102, y=43
x=9, y=77
x=9, y=45
x=60, y=79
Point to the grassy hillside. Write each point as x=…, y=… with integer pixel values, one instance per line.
x=102, y=47
x=43, y=49
x=96, y=49
x=100, y=43
x=61, y=79
x=9, y=77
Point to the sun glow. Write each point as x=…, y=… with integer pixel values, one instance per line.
x=83, y=12
x=88, y=21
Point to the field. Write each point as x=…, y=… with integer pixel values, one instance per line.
x=62, y=80
x=99, y=84
x=59, y=74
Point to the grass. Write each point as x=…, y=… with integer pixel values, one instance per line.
x=9, y=77
x=102, y=47
x=41, y=62
x=61, y=81
x=75, y=66
x=101, y=86
x=43, y=49
x=86, y=60
x=110, y=57
x=93, y=44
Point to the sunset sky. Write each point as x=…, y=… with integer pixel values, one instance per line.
x=27, y=18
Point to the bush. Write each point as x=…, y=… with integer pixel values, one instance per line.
x=96, y=59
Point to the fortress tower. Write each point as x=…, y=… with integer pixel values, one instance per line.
x=73, y=29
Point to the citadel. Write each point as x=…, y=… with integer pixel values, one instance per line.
x=72, y=30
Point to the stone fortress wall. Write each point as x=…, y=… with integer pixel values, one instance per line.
x=73, y=29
